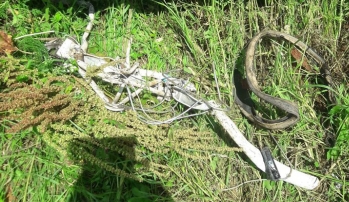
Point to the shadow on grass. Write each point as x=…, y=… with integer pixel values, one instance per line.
x=143, y=6
x=97, y=184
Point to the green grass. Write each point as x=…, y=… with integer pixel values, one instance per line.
x=195, y=37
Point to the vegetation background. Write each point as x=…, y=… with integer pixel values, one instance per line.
x=59, y=143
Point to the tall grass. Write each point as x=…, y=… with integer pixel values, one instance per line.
x=206, y=39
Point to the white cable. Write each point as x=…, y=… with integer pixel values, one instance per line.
x=295, y=177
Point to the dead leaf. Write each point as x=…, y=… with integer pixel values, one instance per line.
x=9, y=195
x=299, y=57
x=6, y=43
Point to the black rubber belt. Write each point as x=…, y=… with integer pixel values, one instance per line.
x=242, y=96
